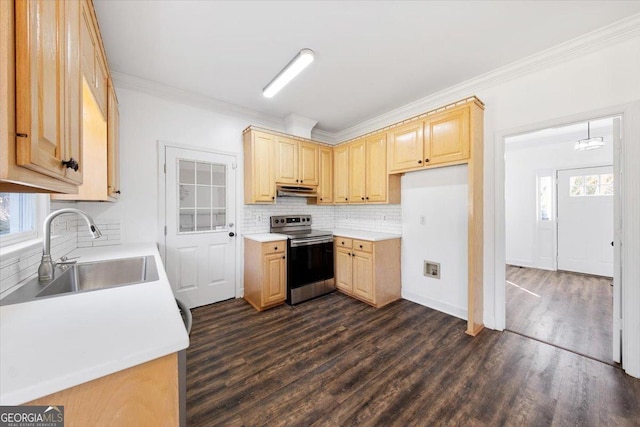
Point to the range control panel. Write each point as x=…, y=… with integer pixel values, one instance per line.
x=290, y=220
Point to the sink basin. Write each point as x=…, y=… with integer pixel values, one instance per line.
x=88, y=276
x=103, y=274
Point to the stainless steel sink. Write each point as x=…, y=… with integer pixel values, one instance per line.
x=88, y=276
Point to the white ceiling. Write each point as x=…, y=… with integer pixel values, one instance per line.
x=371, y=56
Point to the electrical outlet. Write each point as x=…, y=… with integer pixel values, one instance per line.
x=422, y=220
x=346, y=216
x=259, y=218
x=384, y=218
x=432, y=269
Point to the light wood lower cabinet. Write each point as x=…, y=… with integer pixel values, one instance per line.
x=265, y=273
x=144, y=395
x=368, y=271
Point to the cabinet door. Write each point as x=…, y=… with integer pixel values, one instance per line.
x=325, y=187
x=101, y=82
x=357, y=176
x=262, y=164
x=308, y=164
x=341, y=174
x=405, y=146
x=113, y=145
x=344, y=269
x=376, y=168
x=72, y=90
x=286, y=161
x=446, y=137
x=363, y=275
x=40, y=96
x=273, y=286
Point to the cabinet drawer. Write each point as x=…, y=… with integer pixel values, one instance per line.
x=274, y=247
x=363, y=245
x=342, y=242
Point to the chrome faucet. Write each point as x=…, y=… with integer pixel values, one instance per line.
x=47, y=266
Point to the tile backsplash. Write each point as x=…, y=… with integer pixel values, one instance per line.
x=383, y=218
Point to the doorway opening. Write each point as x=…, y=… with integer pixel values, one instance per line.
x=562, y=269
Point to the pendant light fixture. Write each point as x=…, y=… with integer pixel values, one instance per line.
x=589, y=143
x=293, y=68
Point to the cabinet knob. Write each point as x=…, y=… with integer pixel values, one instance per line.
x=343, y=243
x=367, y=198
x=273, y=197
x=362, y=198
x=321, y=198
x=118, y=192
x=346, y=198
x=360, y=246
x=71, y=164
x=419, y=162
x=282, y=256
x=426, y=160
x=275, y=248
x=301, y=181
x=297, y=180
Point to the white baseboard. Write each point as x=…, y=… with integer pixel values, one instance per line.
x=444, y=307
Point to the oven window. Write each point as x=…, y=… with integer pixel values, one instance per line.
x=309, y=264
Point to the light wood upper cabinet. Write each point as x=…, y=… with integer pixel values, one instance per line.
x=377, y=179
x=406, y=145
x=48, y=93
x=440, y=139
x=259, y=183
x=325, y=186
x=357, y=171
x=265, y=273
x=446, y=137
x=341, y=174
x=296, y=162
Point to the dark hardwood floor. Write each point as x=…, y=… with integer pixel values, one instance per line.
x=566, y=309
x=335, y=361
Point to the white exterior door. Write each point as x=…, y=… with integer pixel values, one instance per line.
x=585, y=220
x=200, y=225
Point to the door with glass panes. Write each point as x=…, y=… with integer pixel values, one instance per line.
x=200, y=225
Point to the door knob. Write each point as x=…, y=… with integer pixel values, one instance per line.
x=71, y=164
x=231, y=234
x=611, y=243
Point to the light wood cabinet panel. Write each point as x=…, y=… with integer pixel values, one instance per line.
x=101, y=82
x=265, y=273
x=343, y=269
x=363, y=275
x=357, y=172
x=40, y=74
x=144, y=395
x=274, y=285
x=259, y=182
x=406, y=144
x=325, y=185
x=286, y=160
x=113, y=144
x=341, y=174
x=368, y=271
x=446, y=137
x=308, y=163
x=73, y=146
x=88, y=46
x=377, y=178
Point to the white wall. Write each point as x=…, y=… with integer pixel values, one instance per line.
x=523, y=162
x=440, y=196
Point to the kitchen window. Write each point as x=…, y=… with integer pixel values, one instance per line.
x=20, y=214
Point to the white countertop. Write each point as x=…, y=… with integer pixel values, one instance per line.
x=373, y=236
x=57, y=343
x=266, y=237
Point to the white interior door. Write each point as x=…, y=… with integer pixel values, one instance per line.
x=585, y=220
x=200, y=225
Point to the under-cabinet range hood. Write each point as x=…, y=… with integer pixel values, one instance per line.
x=296, y=191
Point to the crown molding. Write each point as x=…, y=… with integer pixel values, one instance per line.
x=324, y=136
x=593, y=41
x=127, y=81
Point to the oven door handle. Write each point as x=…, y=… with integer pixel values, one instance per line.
x=308, y=242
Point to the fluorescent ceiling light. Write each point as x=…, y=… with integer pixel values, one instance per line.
x=589, y=143
x=293, y=68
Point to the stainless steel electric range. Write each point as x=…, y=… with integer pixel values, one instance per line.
x=309, y=257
